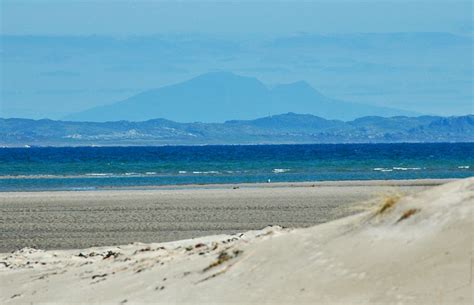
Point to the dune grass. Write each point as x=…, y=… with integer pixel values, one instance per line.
x=407, y=214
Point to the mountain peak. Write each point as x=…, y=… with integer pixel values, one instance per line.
x=300, y=84
x=221, y=77
x=220, y=73
x=219, y=96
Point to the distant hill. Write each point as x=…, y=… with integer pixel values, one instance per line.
x=220, y=96
x=284, y=128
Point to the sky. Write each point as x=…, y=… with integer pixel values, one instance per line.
x=243, y=17
x=60, y=57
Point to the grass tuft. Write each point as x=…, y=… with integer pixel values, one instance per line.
x=387, y=204
x=222, y=258
x=407, y=214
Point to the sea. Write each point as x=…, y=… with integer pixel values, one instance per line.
x=99, y=168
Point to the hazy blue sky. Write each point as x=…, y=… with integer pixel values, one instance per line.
x=244, y=17
x=65, y=56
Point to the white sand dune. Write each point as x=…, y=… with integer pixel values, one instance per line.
x=417, y=250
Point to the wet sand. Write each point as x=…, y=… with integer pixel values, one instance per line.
x=71, y=220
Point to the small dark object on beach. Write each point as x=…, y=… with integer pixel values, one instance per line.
x=142, y=250
x=5, y=264
x=111, y=253
x=99, y=276
x=237, y=252
x=199, y=245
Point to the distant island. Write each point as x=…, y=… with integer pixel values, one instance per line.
x=289, y=128
x=220, y=96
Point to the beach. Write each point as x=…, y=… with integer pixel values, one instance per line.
x=81, y=219
x=414, y=249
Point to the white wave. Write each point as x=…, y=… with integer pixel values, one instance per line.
x=205, y=172
x=464, y=167
x=182, y=172
x=150, y=173
x=85, y=188
x=98, y=174
x=131, y=174
x=406, y=168
x=381, y=169
x=39, y=176
x=280, y=170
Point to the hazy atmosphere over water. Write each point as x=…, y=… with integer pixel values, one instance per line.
x=59, y=57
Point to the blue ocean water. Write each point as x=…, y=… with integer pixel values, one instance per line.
x=83, y=168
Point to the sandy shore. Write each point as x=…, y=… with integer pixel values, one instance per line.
x=413, y=250
x=71, y=220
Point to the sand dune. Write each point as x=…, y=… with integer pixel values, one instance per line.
x=415, y=250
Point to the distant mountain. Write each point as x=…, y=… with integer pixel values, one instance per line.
x=220, y=96
x=284, y=128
